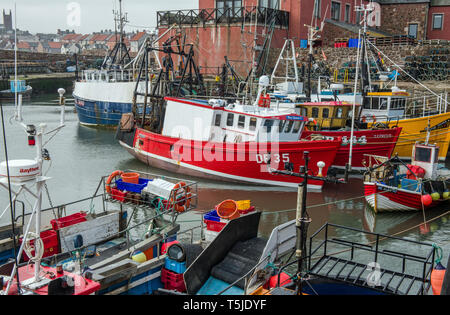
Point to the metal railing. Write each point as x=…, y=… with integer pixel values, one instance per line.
x=215, y=16
x=375, y=252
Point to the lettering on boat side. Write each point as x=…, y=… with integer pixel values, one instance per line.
x=235, y=305
x=441, y=125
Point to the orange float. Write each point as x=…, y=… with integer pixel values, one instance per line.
x=183, y=205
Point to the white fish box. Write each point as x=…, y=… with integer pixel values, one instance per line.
x=159, y=187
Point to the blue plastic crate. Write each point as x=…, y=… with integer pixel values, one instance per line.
x=136, y=188
x=410, y=184
x=303, y=43
x=175, y=266
x=212, y=216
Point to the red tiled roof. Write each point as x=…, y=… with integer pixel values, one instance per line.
x=138, y=36
x=100, y=37
x=72, y=37
x=23, y=45
x=55, y=45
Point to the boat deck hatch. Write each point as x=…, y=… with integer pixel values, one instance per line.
x=377, y=262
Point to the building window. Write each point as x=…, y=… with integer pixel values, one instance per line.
x=412, y=30
x=437, y=21
x=317, y=8
x=347, y=13
x=228, y=7
x=271, y=4
x=335, y=10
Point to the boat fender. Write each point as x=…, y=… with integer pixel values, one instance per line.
x=438, y=273
x=285, y=279
x=110, y=178
x=446, y=195
x=427, y=200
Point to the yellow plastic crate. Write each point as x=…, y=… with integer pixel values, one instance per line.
x=243, y=204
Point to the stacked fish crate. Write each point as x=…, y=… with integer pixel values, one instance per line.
x=215, y=221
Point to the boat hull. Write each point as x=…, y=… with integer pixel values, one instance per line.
x=383, y=198
x=242, y=163
x=380, y=142
x=103, y=103
x=414, y=130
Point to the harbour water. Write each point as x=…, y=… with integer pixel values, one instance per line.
x=81, y=155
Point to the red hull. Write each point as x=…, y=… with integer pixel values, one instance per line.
x=385, y=198
x=243, y=162
x=379, y=142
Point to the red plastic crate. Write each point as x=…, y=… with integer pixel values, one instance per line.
x=50, y=240
x=118, y=195
x=172, y=280
x=214, y=225
x=68, y=221
x=243, y=212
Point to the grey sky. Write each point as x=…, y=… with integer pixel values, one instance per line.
x=46, y=16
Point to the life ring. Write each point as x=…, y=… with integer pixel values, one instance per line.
x=184, y=204
x=110, y=178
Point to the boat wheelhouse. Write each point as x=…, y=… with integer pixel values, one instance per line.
x=384, y=105
x=334, y=119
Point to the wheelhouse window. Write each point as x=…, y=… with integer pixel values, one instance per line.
x=297, y=126
x=289, y=126
x=437, y=21
x=398, y=103
x=252, y=125
x=325, y=113
x=230, y=120
x=268, y=124
x=217, y=120
x=423, y=155
x=315, y=112
x=335, y=11
x=383, y=103
x=281, y=125
x=241, y=122
x=339, y=112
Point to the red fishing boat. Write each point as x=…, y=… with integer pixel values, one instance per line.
x=390, y=185
x=229, y=142
x=331, y=120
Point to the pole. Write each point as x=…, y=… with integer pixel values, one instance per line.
x=350, y=155
x=15, y=55
x=301, y=224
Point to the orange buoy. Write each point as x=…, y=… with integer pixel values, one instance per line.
x=285, y=279
x=184, y=204
x=437, y=278
x=110, y=178
x=427, y=200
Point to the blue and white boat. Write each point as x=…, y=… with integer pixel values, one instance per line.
x=102, y=96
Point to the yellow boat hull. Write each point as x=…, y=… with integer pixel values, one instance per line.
x=414, y=130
